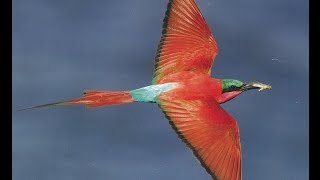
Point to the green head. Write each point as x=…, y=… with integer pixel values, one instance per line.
x=230, y=85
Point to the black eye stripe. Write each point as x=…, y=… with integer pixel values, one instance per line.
x=231, y=88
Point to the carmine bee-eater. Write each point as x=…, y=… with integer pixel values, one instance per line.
x=183, y=88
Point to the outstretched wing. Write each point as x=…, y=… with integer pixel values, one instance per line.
x=187, y=43
x=210, y=132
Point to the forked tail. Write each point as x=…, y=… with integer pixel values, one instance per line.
x=93, y=98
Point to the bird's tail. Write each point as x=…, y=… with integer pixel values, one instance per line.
x=93, y=98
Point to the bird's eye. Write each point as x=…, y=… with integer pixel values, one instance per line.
x=233, y=87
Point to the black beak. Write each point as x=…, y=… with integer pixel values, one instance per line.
x=246, y=87
x=255, y=85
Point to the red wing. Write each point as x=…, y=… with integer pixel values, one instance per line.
x=210, y=132
x=187, y=43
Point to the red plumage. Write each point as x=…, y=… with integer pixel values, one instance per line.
x=185, y=54
x=94, y=98
x=184, y=59
x=187, y=43
x=194, y=112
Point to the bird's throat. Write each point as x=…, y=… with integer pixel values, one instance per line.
x=228, y=96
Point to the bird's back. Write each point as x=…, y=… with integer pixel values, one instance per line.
x=193, y=86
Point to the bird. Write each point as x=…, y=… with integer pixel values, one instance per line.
x=183, y=88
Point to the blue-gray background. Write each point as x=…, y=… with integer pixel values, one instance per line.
x=62, y=47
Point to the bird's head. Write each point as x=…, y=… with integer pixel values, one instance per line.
x=231, y=88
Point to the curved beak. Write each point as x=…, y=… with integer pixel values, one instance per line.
x=256, y=85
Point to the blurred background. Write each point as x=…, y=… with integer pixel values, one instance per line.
x=61, y=48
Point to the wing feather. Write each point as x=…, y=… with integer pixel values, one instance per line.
x=210, y=132
x=186, y=44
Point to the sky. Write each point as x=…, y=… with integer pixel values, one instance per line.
x=61, y=48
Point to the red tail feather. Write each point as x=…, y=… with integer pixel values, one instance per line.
x=93, y=98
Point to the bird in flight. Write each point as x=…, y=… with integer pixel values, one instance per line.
x=184, y=90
